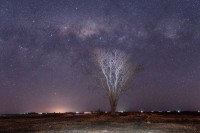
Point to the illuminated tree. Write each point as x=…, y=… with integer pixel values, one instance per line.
x=116, y=73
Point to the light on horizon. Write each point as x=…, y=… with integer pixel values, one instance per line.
x=58, y=110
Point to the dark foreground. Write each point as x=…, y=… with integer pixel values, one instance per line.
x=102, y=123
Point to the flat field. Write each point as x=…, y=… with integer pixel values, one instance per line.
x=102, y=123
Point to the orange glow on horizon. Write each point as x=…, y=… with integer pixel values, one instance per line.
x=58, y=110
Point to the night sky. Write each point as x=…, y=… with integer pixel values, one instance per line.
x=45, y=48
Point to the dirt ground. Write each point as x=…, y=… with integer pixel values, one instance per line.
x=101, y=123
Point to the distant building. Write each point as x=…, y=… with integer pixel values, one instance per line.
x=87, y=112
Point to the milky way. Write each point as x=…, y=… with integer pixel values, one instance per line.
x=45, y=48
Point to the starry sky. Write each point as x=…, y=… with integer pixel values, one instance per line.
x=45, y=48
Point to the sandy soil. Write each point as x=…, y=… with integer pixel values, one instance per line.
x=102, y=123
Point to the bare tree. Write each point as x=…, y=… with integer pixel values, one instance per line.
x=116, y=73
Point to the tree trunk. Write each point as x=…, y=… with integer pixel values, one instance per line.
x=113, y=106
x=113, y=109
